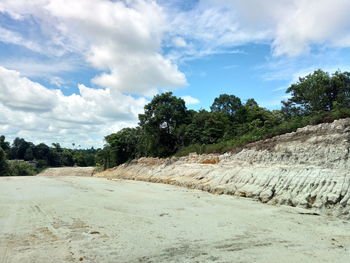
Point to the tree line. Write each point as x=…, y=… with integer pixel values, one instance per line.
x=168, y=128
x=25, y=158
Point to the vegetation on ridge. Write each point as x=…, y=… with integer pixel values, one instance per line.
x=168, y=128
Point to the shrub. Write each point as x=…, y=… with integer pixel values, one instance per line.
x=19, y=168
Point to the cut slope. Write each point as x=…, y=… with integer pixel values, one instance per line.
x=307, y=168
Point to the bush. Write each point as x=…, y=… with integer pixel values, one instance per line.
x=19, y=168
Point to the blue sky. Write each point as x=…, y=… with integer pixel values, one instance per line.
x=238, y=73
x=75, y=71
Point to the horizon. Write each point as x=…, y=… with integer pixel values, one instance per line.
x=78, y=71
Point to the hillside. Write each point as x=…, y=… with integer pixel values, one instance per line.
x=307, y=168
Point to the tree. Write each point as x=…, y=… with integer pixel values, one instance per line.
x=225, y=103
x=317, y=92
x=123, y=145
x=67, y=158
x=4, y=144
x=251, y=103
x=57, y=147
x=28, y=155
x=19, y=148
x=4, y=168
x=340, y=81
x=41, y=151
x=79, y=159
x=163, y=115
x=103, y=157
x=207, y=127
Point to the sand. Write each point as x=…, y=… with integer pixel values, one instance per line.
x=86, y=219
x=72, y=171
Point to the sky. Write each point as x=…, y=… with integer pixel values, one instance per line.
x=76, y=71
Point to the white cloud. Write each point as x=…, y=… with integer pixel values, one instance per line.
x=10, y=37
x=121, y=38
x=29, y=108
x=125, y=42
x=179, y=42
x=23, y=94
x=118, y=36
x=209, y=28
x=42, y=69
x=57, y=81
x=190, y=100
x=292, y=26
x=145, y=75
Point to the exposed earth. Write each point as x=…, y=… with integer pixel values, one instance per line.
x=308, y=168
x=85, y=219
x=71, y=171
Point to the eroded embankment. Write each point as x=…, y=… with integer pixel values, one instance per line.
x=307, y=168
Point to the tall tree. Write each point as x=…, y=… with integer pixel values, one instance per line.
x=123, y=145
x=163, y=115
x=207, y=127
x=19, y=148
x=318, y=92
x=340, y=82
x=228, y=104
x=4, y=144
x=4, y=168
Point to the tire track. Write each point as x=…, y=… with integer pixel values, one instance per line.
x=51, y=230
x=4, y=255
x=9, y=226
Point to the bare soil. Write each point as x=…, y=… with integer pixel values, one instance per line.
x=86, y=219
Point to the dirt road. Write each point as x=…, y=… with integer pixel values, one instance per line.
x=81, y=219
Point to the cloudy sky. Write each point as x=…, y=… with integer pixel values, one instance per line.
x=75, y=71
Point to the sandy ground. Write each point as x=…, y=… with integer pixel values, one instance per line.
x=86, y=219
x=72, y=171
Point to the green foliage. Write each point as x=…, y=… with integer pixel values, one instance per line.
x=206, y=127
x=318, y=92
x=167, y=128
x=19, y=148
x=44, y=156
x=228, y=104
x=81, y=158
x=4, y=167
x=21, y=168
x=3, y=144
x=103, y=158
x=123, y=147
x=267, y=131
x=159, y=124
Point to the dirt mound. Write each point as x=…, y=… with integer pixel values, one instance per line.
x=68, y=171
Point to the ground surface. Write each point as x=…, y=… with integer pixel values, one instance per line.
x=81, y=219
